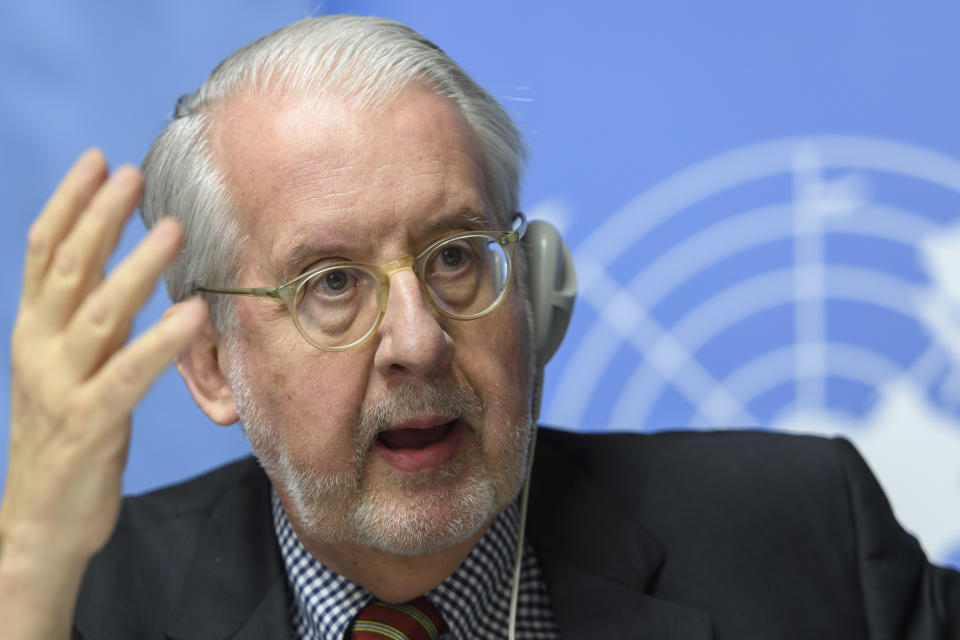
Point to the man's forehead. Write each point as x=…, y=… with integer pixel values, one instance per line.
x=334, y=122
x=299, y=141
x=320, y=173
x=254, y=137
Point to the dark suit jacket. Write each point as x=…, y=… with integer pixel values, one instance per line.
x=659, y=537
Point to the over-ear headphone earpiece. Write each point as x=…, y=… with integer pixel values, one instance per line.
x=551, y=285
x=552, y=288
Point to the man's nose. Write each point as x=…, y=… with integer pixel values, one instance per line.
x=412, y=341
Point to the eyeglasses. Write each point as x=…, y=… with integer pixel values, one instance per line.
x=340, y=305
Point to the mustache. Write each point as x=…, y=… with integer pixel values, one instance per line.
x=407, y=400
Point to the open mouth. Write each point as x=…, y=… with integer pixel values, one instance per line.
x=416, y=449
x=414, y=438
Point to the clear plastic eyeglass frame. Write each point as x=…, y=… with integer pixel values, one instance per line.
x=291, y=292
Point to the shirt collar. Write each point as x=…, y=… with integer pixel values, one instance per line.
x=472, y=597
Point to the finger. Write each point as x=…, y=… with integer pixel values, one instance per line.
x=58, y=216
x=78, y=261
x=123, y=380
x=103, y=320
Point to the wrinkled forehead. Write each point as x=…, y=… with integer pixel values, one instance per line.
x=328, y=163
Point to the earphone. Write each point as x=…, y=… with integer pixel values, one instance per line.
x=552, y=288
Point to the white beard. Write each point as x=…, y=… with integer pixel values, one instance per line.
x=436, y=511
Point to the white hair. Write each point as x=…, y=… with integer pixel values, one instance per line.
x=365, y=62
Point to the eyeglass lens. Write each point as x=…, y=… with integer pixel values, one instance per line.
x=463, y=277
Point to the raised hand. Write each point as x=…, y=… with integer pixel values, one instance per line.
x=74, y=384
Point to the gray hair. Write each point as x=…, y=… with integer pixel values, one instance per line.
x=366, y=62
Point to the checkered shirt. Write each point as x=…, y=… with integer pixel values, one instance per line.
x=474, y=600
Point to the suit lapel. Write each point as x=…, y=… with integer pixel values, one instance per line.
x=237, y=586
x=597, y=561
x=589, y=606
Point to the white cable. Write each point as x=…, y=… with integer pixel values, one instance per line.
x=524, y=500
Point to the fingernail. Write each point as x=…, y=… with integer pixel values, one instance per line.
x=180, y=308
x=89, y=161
x=126, y=178
x=167, y=225
x=165, y=232
x=172, y=312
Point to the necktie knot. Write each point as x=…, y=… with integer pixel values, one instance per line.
x=414, y=620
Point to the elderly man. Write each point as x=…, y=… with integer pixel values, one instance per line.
x=368, y=312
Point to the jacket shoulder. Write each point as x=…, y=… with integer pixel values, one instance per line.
x=786, y=522
x=745, y=484
x=691, y=454
x=183, y=500
x=135, y=583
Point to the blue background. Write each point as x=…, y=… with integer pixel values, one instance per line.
x=614, y=99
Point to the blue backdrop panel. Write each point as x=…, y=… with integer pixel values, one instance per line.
x=763, y=200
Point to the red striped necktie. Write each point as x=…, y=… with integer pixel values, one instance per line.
x=414, y=620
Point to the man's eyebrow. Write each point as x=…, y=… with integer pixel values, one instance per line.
x=306, y=250
x=463, y=218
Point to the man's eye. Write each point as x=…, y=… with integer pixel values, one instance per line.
x=452, y=257
x=334, y=283
x=336, y=280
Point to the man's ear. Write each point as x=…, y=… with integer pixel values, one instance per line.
x=199, y=365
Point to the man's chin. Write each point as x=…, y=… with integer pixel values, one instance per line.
x=423, y=523
x=400, y=513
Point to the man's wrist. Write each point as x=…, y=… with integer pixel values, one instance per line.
x=38, y=592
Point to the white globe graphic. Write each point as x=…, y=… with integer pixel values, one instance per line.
x=795, y=284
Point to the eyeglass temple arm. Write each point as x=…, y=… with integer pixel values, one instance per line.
x=274, y=292
x=519, y=223
x=260, y=292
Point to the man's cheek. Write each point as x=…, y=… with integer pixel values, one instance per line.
x=317, y=416
x=512, y=348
